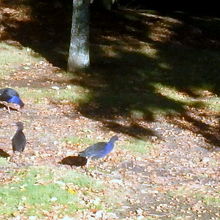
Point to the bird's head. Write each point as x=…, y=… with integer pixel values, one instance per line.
x=20, y=125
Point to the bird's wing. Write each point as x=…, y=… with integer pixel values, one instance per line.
x=98, y=146
x=7, y=93
x=19, y=139
x=93, y=149
x=11, y=92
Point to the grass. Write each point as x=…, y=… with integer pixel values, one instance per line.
x=209, y=198
x=211, y=103
x=13, y=56
x=36, y=189
x=3, y=162
x=79, y=140
x=81, y=180
x=135, y=146
x=73, y=94
x=155, y=77
x=139, y=147
x=155, y=87
x=138, y=76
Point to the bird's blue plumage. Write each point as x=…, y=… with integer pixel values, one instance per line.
x=15, y=100
x=11, y=96
x=99, y=150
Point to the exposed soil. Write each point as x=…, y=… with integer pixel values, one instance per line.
x=166, y=183
x=182, y=158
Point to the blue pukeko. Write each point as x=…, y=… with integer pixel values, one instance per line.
x=10, y=96
x=19, y=139
x=99, y=150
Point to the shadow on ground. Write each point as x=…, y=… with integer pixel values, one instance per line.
x=132, y=55
x=74, y=161
x=4, y=154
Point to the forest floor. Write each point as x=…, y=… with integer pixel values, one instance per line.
x=154, y=82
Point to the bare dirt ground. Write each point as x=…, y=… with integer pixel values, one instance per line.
x=178, y=179
x=163, y=184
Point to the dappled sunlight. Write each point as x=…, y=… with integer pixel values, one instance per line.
x=143, y=64
x=172, y=93
x=204, y=99
x=201, y=123
x=156, y=78
x=153, y=82
x=165, y=66
x=20, y=12
x=130, y=128
x=12, y=53
x=53, y=94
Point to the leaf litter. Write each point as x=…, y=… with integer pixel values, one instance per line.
x=147, y=185
x=178, y=178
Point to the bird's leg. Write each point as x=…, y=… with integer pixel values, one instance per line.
x=8, y=109
x=85, y=167
x=13, y=157
x=88, y=162
x=89, y=172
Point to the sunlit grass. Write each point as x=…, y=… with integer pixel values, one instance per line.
x=139, y=147
x=12, y=56
x=81, y=180
x=201, y=194
x=72, y=94
x=3, y=162
x=37, y=190
x=211, y=103
x=210, y=200
x=79, y=140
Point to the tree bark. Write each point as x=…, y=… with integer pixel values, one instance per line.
x=79, y=44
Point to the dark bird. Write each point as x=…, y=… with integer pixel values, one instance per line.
x=19, y=139
x=99, y=150
x=10, y=96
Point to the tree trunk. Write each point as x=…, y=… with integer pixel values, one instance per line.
x=79, y=43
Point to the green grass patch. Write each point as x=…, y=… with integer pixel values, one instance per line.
x=3, y=162
x=79, y=140
x=210, y=200
x=13, y=56
x=81, y=180
x=73, y=94
x=139, y=146
x=156, y=78
x=202, y=194
x=211, y=103
x=35, y=190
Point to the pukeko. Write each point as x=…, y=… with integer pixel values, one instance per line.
x=99, y=150
x=10, y=96
x=19, y=139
